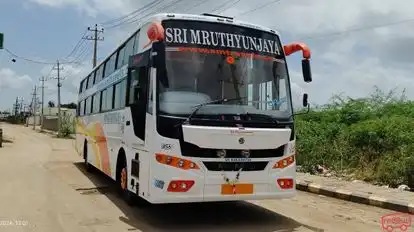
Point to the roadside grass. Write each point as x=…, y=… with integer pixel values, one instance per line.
x=371, y=139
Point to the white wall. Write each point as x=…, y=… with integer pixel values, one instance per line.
x=29, y=120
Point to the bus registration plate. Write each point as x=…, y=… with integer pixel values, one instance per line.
x=228, y=189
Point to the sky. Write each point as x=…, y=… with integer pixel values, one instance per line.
x=356, y=44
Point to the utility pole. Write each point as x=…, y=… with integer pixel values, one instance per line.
x=21, y=106
x=16, y=106
x=34, y=107
x=95, y=39
x=43, y=101
x=59, y=84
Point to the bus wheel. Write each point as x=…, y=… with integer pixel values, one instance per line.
x=88, y=166
x=122, y=183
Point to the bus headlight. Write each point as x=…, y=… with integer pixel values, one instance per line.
x=221, y=153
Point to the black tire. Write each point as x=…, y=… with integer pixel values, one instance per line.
x=122, y=189
x=88, y=166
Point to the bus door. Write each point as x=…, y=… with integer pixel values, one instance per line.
x=138, y=93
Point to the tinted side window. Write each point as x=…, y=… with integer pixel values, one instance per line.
x=96, y=102
x=120, y=95
x=121, y=55
x=110, y=65
x=82, y=108
x=136, y=44
x=90, y=81
x=99, y=73
x=129, y=49
x=94, y=77
x=81, y=86
x=88, y=106
x=103, y=100
x=110, y=98
x=134, y=82
x=85, y=81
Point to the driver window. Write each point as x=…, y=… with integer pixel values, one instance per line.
x=133, y=93
x=150, y=96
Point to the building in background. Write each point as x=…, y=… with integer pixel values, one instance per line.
x=50, y=117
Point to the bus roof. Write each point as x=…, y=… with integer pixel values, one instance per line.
x=190, y=17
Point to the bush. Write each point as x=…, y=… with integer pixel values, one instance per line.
x=67, y=127
x=372, y=138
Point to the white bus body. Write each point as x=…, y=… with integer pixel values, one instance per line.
x=229, y=163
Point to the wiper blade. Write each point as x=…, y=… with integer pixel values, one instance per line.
x=274, y=120
x=199, y=106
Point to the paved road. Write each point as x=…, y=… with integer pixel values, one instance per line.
x=44, y=188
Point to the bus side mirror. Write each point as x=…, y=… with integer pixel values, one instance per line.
x=306, y=70
x=159, y=62
x=305, y=102
x=158, y=56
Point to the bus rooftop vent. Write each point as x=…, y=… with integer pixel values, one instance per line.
x=218, y=16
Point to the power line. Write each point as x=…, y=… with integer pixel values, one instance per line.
x=32, y=60
x=130, y=14
x=196, y=5
x=84, y=51
x=359, y=29
x=78, y=44
x=133, y=19
x=26, y=59
x=146, y=15
x=259, y=7
x=222, y=6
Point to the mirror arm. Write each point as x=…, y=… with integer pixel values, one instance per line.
x=307, y=111
x=295, y=47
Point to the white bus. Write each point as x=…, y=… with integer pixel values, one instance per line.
x=193, y=108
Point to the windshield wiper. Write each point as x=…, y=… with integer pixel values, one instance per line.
x=199, y=106
x=264, y=116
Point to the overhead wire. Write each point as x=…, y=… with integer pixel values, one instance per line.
x=222, y=6
x=81, y=40
x=134, y=20
x=128, y=21
x=196, y=5
x=259, y=7
x=32, y=60
x=130, y=14
x=82, y=54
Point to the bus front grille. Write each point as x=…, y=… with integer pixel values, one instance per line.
x=191, y=150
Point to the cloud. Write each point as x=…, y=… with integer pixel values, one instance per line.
x=350, y=55
x=93, y=8
x=10, y=79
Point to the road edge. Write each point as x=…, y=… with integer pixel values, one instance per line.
x=367, y=199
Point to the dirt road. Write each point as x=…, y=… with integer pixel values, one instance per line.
x=44, y=188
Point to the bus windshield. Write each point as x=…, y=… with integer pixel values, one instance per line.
x=209, y=61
